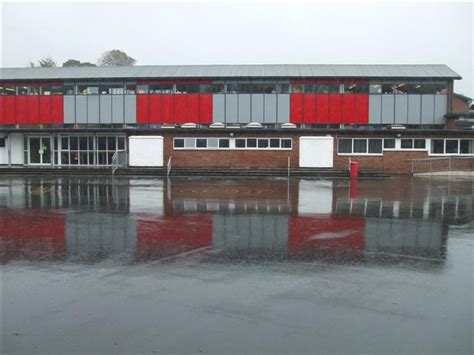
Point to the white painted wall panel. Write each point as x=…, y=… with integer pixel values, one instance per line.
x=145, y=151
x=316, y=152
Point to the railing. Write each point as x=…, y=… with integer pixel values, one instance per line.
x=168, y=167
x=118, y=159
x=440, y=164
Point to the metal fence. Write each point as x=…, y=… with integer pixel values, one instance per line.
x=120, y=158
x=440, y=164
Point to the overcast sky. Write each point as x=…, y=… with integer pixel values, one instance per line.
x=210, y=33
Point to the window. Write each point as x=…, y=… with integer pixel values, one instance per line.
x=388, y=88
x=83, y=89
x=33, y=90
x=435, y=88
x=437, y=146
x=22, y=90
x=111, y=89
x=389, y=143
x=45, y=90
x=452, y=146
x=407, y=144
x=375, y=146
x=419, y=144
x=262, y=143
x=375, y=88
x=189, y=143
x=8, y=90
x=56, y=90
x=345, y=146
x=68, y=89
x=360, y=145
x=142, y=89
x=201, y=143
x=270, y=88
x=296, y=88
x=2, y=142
x=213, y=88
x=236, y=88
x=274, y=143
x=130, y=89
x=240, y=143
x=353, y=88
x=251, y=143
x=223, y=143
x=179, y=143
x=161, y=88
x=187, y=88
x=284, y=89
x=414, y=88
x=322, y=88
x=466, y=146
x=212, y=143
x=286, y=143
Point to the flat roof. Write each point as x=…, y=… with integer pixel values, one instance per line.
x=368, y=71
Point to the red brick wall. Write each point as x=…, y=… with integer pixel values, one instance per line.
x=459, y=105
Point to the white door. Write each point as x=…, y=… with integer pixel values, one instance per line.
x=317, y=152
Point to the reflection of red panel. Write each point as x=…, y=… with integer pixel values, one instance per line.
x=325, y=235
x=155, y=109
x=33, y=109
x=205, y=109
x=335, y=108
x=348, y=108
x=180, y=108
x=31, y=234
x=45, y=109
x=296, y=108
x=322, y=108
x=9, y=109
x=309, y=108
x=172, y=235
x=362, y=109
x=142, y=109
x=168, y=108
x=192, y=108
x=21, y=110
x=57, y=115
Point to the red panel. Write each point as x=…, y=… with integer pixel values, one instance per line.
x=155, y=109
x=1, y=110
x=348, y=108
x=296, y=108
x=205, y=109
x=180, y=108
x=322, y=108
x=172, y=235
x=192, y=108
x=33, y=109
x=142, y=109
x=335, y=108
x=57, y=116
x=362, y=109
x=45, y=109
x=21, y=110
x=316, y=236
x=9, y=109
x=168, y=108
x=309, y=108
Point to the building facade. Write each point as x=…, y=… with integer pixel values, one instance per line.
x=257, y=116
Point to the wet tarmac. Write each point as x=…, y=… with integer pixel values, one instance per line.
x=236, y=266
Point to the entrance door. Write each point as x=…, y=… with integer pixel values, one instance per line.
x=40, y=150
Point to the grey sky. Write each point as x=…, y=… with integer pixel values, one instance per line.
x=210, y=33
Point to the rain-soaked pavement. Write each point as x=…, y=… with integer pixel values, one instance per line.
x=226, y=266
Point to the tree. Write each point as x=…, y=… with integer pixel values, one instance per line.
x=115, y=57
x=77, y=63
x=46, y=62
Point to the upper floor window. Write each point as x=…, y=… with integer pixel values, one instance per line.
x=355, y=88
x=85, y=89
x=142, y=89
x=130, y=89
x=426, y=88
x=161, y=88
x=187, y=88
x=322, y=88
x=111, y=89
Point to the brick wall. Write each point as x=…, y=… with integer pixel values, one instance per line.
x=459, y=105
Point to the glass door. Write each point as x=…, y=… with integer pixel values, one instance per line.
x=39, y=150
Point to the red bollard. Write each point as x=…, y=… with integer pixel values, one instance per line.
x=354, y=170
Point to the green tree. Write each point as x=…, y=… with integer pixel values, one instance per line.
x=116, y=57
x=77, y=63
x=46, y=62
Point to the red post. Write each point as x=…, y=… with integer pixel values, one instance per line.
x=354, y=170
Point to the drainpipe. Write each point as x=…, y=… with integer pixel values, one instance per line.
x=9, y=150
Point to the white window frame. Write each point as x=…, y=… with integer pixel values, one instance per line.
x=232, y=143
x=361, y=154
x=444, y=148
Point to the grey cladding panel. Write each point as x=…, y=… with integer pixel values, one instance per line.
x=401, y=109
x=130, y=109
x=257, y=108
x=117, y=109
x=283, y=108
x=388, y=109
x=414, y=109
x=441, y=108
x=218, y=108
x=69, y=109
x=244, y=108
x=270, y=112
x=375, y=109
x=93, y=113
x=105, y=109
x=427, y=109
x=231, y=108
x=81, y=109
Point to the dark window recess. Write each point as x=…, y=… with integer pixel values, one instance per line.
x=360, y=146
x=179, y=143
x=223, y=143
x=240, y=143
x=263, y=143
x=375, y=146
x=201, y=143
x=2, y=142
x=419, y=144
x=286, y=143
x=345, y=146
x=407, y=144
x=274, y=143
x=437, y=146
x=251, y=143
x=451, y=146
x=389, y=143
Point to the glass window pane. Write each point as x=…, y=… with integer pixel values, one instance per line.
x=375, y=88
x=91, y=143
x=201, y=143
x=251, y=143
x=240, y=143
x=467, y=146
x=360, y=145
x=270, y=88
x=407, y=143
x=68, y=89
x=263, y=143
x=111, y=143
x=74, y=142
x=179, y=143
x=451, y=146
x=286, y=143
x=121, y=143
x=161, y=88
x=274, y=143
x=130, y=89
x=437, y=146
x=83, y=143
x=212, y=142
x=296, y=88
x=400, y=88
x=345, y=146
x=22, y=90
x=57, y=89
x=284, y=88
x=388, y=88
x=190, y=142
x=33, y=90
x=414, y=88
x=375, y=146
x=111, y=89
x=419, y=144
x=223, y=143
x=142, y=89
x=102, y=143
x=354, y=88
x=9, y=90
x=389, y=143
x=64, y=143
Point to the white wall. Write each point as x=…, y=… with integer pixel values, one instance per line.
x=145, y=151
x=316, y=152
x=16, y=149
